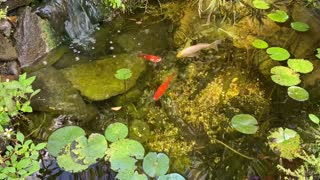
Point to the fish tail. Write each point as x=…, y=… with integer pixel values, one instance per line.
x=141, y=55
x=215, y=44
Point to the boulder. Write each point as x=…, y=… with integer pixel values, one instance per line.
x=59, y=97
x=7, y=51
x=96, y=80
x=34, y=38
x=13, y=4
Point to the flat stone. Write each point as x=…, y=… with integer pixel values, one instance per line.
x=7, y=51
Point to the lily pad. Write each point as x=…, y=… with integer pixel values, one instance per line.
x=87, y=151
x=155, y=164
x=279, y=16
x=259, y=44
x=285, y=142
x=300, y=65
x=284, y=76
x=278, y=53
x=130, y=174
x=314, y=118
x=261, y=4
x=123, y=154
x=116, y=131
x=245, y=123
x=298, y=93
x=300, y=26
x=172, y=176
x=123, y=74
x=61, y=137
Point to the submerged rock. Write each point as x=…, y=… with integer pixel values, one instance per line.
x=13, y=4
x=59, y=97
x=96, y=80
x=34, y=38
x=7, y=51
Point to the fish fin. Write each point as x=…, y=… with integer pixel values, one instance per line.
x=215, y=44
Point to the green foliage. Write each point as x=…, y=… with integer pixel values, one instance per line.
x=15, y=98
x=261, y=4
x=3, y=13
x=21, y=160
x=123, y=74
x=318, y=53
x=300, y=26
x=259, y=44
x=245, y=123
x=284, y=76
x=314, y=118
x=61, y=137
x=115, y=4
x=278, y=53
x=300, y=65
x=285, y=142
x=172, y=176
x=298, y=93
x=155, y=164
x=279, y=16
x=116, y=131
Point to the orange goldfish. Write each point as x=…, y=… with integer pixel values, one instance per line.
x=150, y=57
x=163, y=87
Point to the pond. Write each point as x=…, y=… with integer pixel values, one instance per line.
x=198, y=89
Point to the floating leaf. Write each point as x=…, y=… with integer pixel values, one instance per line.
x=285, y=142
x=284, y=76
x=130, y=174
x=172, y=176
x=87, y=151
x=66, y=162
x=300, y=65
x=123, y=74
x=318, y=53
x=155, y=164
x=116, y=131
x=298, y=93
x=259, y=44
x=279, y=16
x=61, y=137
x=278, y=53
x=261, y=4
x=123, y=154
x=300, y=26
x=314, y=118
x=245, y=123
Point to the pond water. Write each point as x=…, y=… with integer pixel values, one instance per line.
x=191, y=122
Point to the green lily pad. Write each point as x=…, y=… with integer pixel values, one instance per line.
x=284, y=76
x=259, y=44
x=123, y=154
x=245, y=123
x=172, y=176
x=87, y=151
x=300, y=65
x=279, y=16
x=300, y=26
x=123, y=74
x=298, y=93
x=61, y=137
x=130, y=174
x=285, y=142
x=261, y=4
x=314, y=118
x=155, y=164
x=278, y=53
x=116, y=131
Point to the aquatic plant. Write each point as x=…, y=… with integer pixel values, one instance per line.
x=300, y=26
x=314, y=118
x=298, y=93
x=284, y=76
x=318, y=53
x=261, y=4
x=21, y=159
x=259, y=44
x=116, y=131
x=278, y=53
x=15, y=98
x=123, y=74
x=155, y=164
x=300, y=65
x=279, y=16
x=3, y=13
x=245, y=123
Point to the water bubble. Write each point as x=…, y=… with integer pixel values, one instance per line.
x=44, y=62
x=134, y=38
x=110, y=42
x=111, y=48
x=118, y=31
x=79, y=52
x=77, y=58
x=74, y=50
x=93, y=48
x=97, y=28
x=139, y=44
x=114, y=56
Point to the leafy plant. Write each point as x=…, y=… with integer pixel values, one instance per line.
x=116, y=131
x=123, y=74
x=318, y=53
x=21, y=159
x=300, y=26
x=300, y=65
x=298, y=93
x=15, y=98
x=114, y=3
x=261, y=4
x=278, y=53
x=314, y=118
x=155, y=164
x=245, y=123
x=279, y=16
x=284, y=76
x=259, y=44
x=3, y=13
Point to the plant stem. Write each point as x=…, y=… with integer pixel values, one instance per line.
x=233, y=150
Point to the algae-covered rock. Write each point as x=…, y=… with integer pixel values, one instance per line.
x=58, y=96
x=34, y=37
x=96, y=80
